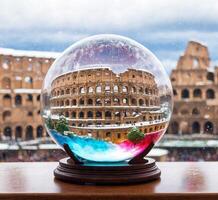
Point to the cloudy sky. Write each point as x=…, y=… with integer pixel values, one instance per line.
x=163, y=26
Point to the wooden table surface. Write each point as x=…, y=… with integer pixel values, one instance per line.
x=179, y=180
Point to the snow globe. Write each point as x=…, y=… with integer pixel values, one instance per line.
x=106, y=101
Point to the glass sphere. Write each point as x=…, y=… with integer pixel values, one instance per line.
x=107, y=97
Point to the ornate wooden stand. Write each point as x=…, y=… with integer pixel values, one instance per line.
x=139, y=169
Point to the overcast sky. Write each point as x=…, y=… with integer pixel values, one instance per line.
x=163, y=26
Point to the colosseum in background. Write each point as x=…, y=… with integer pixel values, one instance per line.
x=195, y=88
x=21, y=76
x=106, y=104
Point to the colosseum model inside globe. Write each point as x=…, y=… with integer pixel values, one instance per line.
x=108, y=98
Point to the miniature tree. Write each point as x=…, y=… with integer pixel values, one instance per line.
x=62, y=125
x=49, y=123
x=135, y=135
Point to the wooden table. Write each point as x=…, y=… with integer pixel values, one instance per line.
x=179, y=180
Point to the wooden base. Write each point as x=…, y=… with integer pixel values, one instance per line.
x=114, y=173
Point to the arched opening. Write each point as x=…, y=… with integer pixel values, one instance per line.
x=133, y=90
x=18, y=132
x=8, y=132
x=67, y=102
x=39, y=131
x=116, y=89
x=73, y=115
x=6, y=83
x=6, y=116
x=125, y=89
x=66, y=114
x=98, y=102
x=210, y=94
x=134, y=102
x=174, y=92
x=108, y=134
x=62, y=92
x=116, y=101
x=74, y=91
x=90, y=102
x=146, y=91
x=210, y=76
x=197, y=93
x=175, y=128
x=141, y=102
x=29, y=133
x=81, y=115
x=18, y=100
x=38, y=98
x=107, y=114
x=90, y=90
x=82, y=90
x=208, y=127
x=67, y=91
x=196, y=127
x=125, y=101
x=29, y=81
x=98, y=114
x=107, y=102
x=98, y=89
x=29, y=97
x=195, y=111
x=184, y=111
x=7, y=100
x=81, y=102
x=90, y=114
x=74, y=102
x=185, y=94
x=107, y=89
x=140, y=90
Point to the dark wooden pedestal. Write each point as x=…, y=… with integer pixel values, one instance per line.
x=116, y=173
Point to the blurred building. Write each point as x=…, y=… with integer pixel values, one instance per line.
x=195, y=88
x=21, y=76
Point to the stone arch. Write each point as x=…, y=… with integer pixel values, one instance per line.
x=98, y=89
x=73, y=102
x=29, y=97
x=125, y=89
x=134, y=102
x=73, y=114
x=208, y=127
x=185, y=94
x=38, y=97
x=29, y=133
x=195, y=111
x=90, y=102
x=108, y=114
x=90, y=90
x=184, y=127
x=116, y=101
x=7, y=100
x=90, y=114
x=98, y=102
x=39, y=131
x=210, y=94
x=98, y=114
x=197, y=93
x=82, y=90
x=7, y=132
x=116, y=88
x=81, y=101
x=196, y=128
x=174, y=92
x=29, y=81
x=125, y=101
x=175, y=127
x=6, y=115
x=141, y=102
x=81, y=115
x=18, y=132
x=133, y=90
x=210, y=76
x=18, y=100
x=67, y=102
x=67, y=91
x=107, y=88
x=6, y=83
x=66, y=114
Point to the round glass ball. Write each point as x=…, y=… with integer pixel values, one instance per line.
x=107, y=97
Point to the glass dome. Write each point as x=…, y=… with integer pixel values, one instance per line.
x=107, y=97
